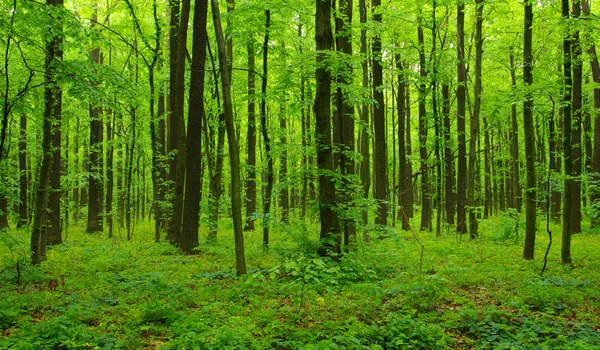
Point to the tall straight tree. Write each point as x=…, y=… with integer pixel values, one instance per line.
x=177, y=138
x=251, y=142
x=191, y=214
x=380, y=164
x=515, y=182
x=345, y=107
x=577, y=112
x=23, y=208
x=474, y=137
x=595, y=170
x=529, y=133
x=234, y=155
x=426, y=203
x=567, y=145
x=95, y=200
x=268, y=190
x=52, y=115
x=461, y=217
x=365, y=165
x=330, y=239
x=450, y=195
x=404, y=182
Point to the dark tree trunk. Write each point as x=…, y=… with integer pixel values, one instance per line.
x=567, y=146
x=23, y=209
x=577, y=110
x=554, y=166
x=404, y=182
x=346, y=112
x=330, y=238
x=474, y=137
x=251, y=144
x=191, y=215
x=94, y=219
x=380, y=164
x=529, y=134
x=461, y=223
x=109, y=171
x=365, y=174
x=177, y=138
x=595, y=169
x=426, y=206
x=284, y=195
x=54, y=228
x=52, y=116
x=514, y=148
x=268, y=190
x=448, y=158
x=234, y=155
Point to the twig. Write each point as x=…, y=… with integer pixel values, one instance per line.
x=547, y=226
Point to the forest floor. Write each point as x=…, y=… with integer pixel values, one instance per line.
x=96, y=292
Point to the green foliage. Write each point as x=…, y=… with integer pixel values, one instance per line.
x=141, y=294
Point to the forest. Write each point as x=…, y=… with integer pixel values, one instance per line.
x=295, y=174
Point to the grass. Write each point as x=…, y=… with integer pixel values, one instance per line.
x=95, y=292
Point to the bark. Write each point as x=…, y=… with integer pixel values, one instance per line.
x=177, y=131
x=365, y=174
x=426, y=206
x=329, y=236
x=461, y=223
x=52, y=115
x=95, y=181
x=567, y=146
x=284, y=194
x=577, y=110
x=191, y=215
x=515, y=183
x=380, y=164
x=474, y=137
x=234, y=156
x=404, y=182
x=450, y=195
x=529, y=134
x=251, y=144
x=23, y=209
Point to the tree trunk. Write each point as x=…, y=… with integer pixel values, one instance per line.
x=330, y=238
x=284, y=194
x=191, y=215
x=251, y=144
x=380, y=164
x=567, y=146
x=404, y=182
x=474, y=137
x=95, y=184
x=529, y=134
x=365, y=174
x=577, y=110
x=234, y=155
x=514, y=149
x=461, y=223
x=177, y=131
x=23, y=211
x=450, y=195
x=426, y=206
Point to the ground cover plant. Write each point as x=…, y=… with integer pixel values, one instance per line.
x=118, y=294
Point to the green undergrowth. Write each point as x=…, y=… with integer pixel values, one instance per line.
x=96, y=292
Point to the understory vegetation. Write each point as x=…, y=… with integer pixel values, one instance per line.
x=111, y=294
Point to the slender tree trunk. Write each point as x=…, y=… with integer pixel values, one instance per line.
x=191, y=215
x=404, y=182
x=380, y=164
x=52, y=116
x=474, y=137
x=567, y=146
x=461, y=224
x=23, y=208
x=234, y=155
x=177, y=131
x=251, y=144
x=264, y=130
x=94, y=221
x=577, y=110
x=330, y=238
x=529, y=134
x=426, y=206
x=514, y=150
x=284, y=194
x=109, y=171
x=595, y=169
x=54, y=228
x=365, y=175
x=448, y=158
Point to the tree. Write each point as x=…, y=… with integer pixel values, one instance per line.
x=329, y=236
x=191, y=214
x=577, y=112
x=528, y=131
x=461, y=218
x=380, y=164
x=234, y=155
x=426, y=206
x=251, y=142
x=52, y=115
